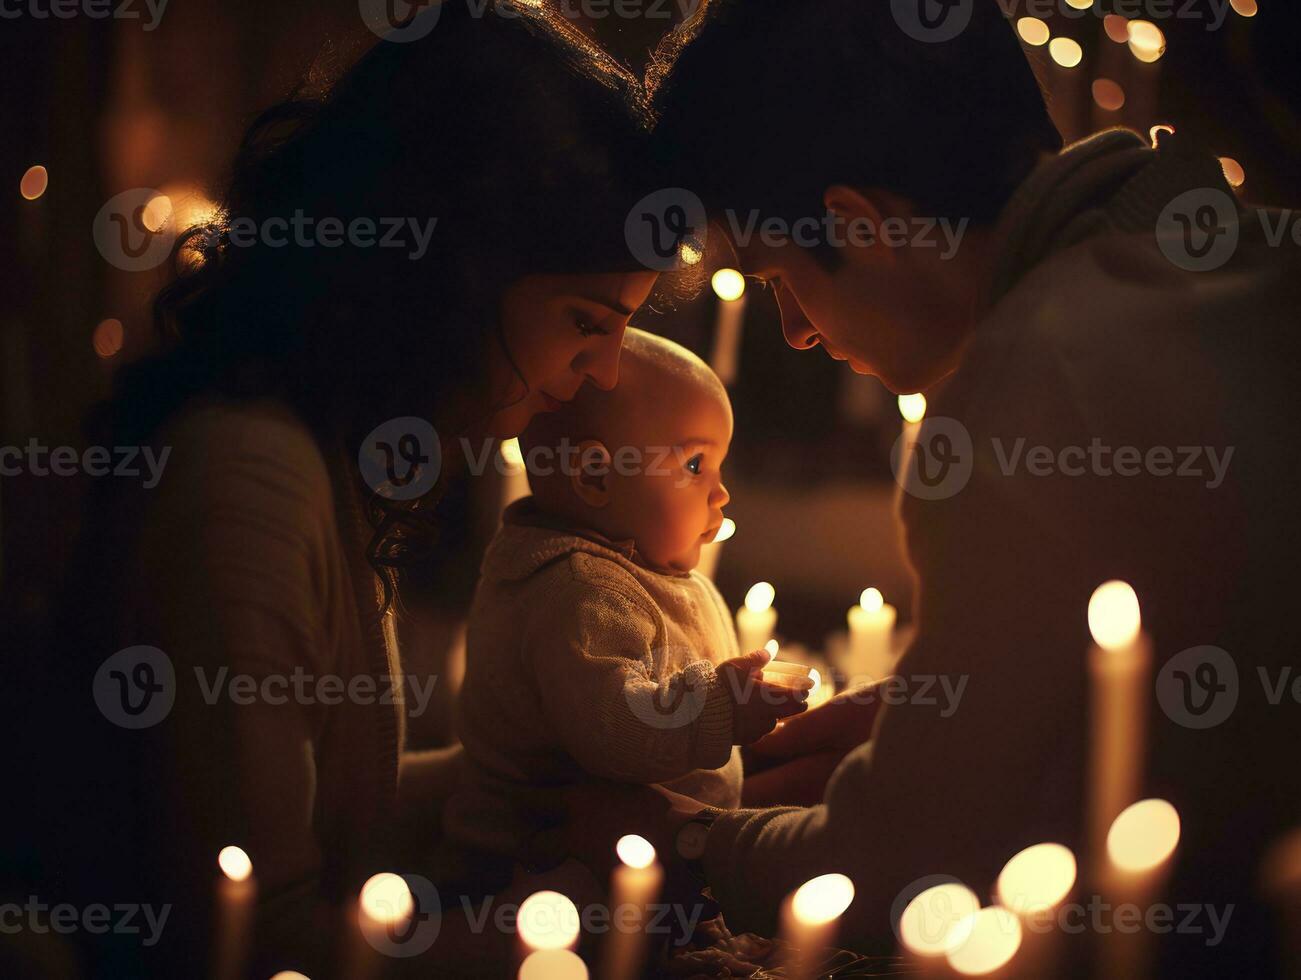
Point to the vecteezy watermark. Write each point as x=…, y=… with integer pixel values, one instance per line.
x=404, y=21
x=134, y=231
x=1199, y=687
x=940, y=461
x=1200, y=230
x=934, y=21
x=93, y=9
x=1212, y=13
x=837, y=231
x=412, y=930
x=400, y=459
x=136, y=688
x=38, y=459
x=667, y=230
x=1103, y=918
x=97, y=919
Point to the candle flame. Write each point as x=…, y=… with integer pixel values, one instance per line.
x=386, y=898
x=1244, y=8
x=816, y=678
x=234, y=863
x=729, y=285
x=993, y=938
x=289, y=975
x=511, y=453
x=760, y=597
x=1038, y=878
x=912, y=407
x=872, y=600
x=34, y=183
x=938, y=919
x=635, y=851
x=548, y=920
x=725, y=531
x=1114, y=616
x=822, y=899
x=1033, y=31
x=1233, y=172
x=1066, y=51
x=1144, y=835
x=1146, y=40
x=553, y=964
x=771, y=648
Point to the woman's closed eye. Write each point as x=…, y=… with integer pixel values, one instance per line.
x=586, y=328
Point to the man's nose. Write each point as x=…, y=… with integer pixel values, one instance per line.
x=799, y=331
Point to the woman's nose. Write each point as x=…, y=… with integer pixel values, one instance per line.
x=799, y=331
x=600, y=365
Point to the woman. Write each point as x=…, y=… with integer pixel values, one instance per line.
x=264, y=551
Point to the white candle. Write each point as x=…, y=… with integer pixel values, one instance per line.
x=757, y=619
x=1034, y=884
x=1119, y=666
x=515, y=479
x=547, y=920
x=236, y=896
x=993, y=938
x=383, y=906
x=634, y=887
x=729, y=286
x=553, y=964
x=1140, y=848
x=781, y=673
x=809, y=920
x=870, y=654
x=936, y=922
x=711, y=552
x=913, y=410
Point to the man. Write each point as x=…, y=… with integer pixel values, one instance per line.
x=1109, y=354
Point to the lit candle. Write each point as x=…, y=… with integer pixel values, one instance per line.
x=757, y=619
x=711, y=552
x=871, y=637
x=236, y=896
x=1069, y=84
x=779, y=673
x=913, y=410
x=1140, y=849
x=1282, y=884
x=1034, y=884
x=729, y=286
x=1119, y=664
x=515, y=479
x=809, y=920
x=547, y=920
x=634, y=886
x=1147, y=44
x=993, y=938
x=936, y=922
x=383, y=907
x=553, y=964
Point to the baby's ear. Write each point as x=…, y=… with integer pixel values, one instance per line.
x=591, y=477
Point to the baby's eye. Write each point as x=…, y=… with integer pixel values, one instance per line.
x=694, y=463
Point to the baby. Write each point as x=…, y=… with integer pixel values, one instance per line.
x=593, y=646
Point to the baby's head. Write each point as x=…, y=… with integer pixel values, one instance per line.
x=641, y=460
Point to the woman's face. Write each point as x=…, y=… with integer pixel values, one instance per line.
x=560, y=331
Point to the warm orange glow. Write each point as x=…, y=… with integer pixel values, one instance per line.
x=1117, y=28
x=938, y=919
x=1233, y=172
x=1144, y=835
x=1108, y=94
x=108, y=337
x=386, y=899
x=289, y=975
x=1246, y=8
x=1146, y=40
x=690, y=253
x=760, y=597
x=1080, y=4
x=729, y=285
x=1033, y=31
x=635, y=851
x=816, y=678
x=548, y=920
x=822, y=899
x=725, y=531
x=912, y=407
x=157, y=213
x=1114, y=616
x=553, y=964
x=871, y=600
x=994, y=936
x=771, y=649
x=234, y=863
x=1159, y=128
x=510, y=452
x=1066, y=51
x=1038, y=878
x=34, y=183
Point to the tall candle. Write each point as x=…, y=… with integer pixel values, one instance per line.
x=1120, y=662
x=913, y=410
x=383, y=907
x=936, y=922
x=1140, y=848
x=871, y=637
x=515, y=477
x=757, y=619
x=547, y=920
x=236, y=897
x=553, y=964
x=729, y=286
x=809, y=920
x=634, y=887
x=1034, y=884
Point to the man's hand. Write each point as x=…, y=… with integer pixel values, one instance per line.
x=757, y=706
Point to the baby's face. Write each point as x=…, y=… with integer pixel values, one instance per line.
x=672, y=502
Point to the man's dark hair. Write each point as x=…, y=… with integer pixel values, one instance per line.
x=763, y=104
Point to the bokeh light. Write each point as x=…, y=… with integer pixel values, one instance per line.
x=871, y=599
x=1233, y=171
x=1146, y=40
x=822, y=899
x=386, y=898
x=34, y=183
x=938, y=919
x=1108, y=94
x=993, y=937
x=912, y=407
x=635, y=851
x=234, y=863
x=553, y=964
x=108, y=337
x=1033, y=31
x=1037, y=878
x=1066, y=51
x=760, y=597
x=548, y=920
x=729, y=285
x=1144, y=835
x=1114, y=615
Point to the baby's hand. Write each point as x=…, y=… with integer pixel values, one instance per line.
x=757, y=706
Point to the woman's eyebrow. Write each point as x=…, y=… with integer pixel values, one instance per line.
x=609, y=304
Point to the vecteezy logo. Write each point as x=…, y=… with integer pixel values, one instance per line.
x=136, y=687
x=399, y=20
x=1198, y=687
x=133, y=231
x=401, y=459
x=675, y=704
x=933, y=21
x=411, y=935
x=1198, y=230
x=666, y=230
x=938, y=464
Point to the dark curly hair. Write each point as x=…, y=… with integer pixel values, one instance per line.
x=523, y=138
